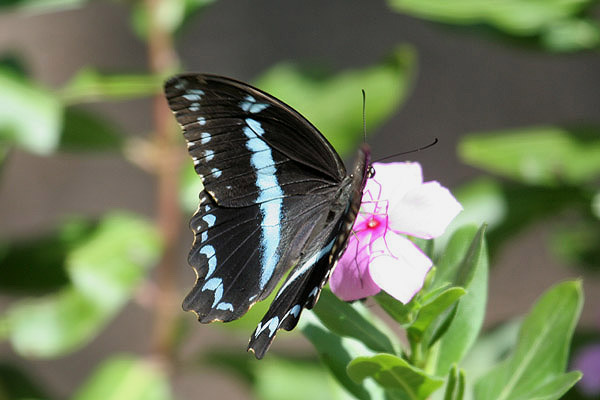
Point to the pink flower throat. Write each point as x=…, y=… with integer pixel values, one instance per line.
x=373, y=223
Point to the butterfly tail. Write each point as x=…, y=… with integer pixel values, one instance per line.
x=300, y=290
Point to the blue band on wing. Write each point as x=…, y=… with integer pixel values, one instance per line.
x=270, y=198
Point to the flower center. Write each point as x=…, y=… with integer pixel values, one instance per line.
x=373, y=223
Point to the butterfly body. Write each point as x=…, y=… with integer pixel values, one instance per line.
x=276, y=196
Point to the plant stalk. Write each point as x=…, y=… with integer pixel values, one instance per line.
x=163, y=60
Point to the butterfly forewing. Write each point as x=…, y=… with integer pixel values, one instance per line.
x=275, y=196
x=236, y=133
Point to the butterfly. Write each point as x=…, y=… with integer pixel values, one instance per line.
x=276, y=198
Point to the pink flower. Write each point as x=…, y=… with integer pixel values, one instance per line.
x=396, y=202
x=588, y=362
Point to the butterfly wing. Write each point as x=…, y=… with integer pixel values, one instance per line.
x=268, y=174
x=322, y=251
x=236, y=134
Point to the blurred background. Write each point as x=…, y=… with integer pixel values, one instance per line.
x=512, y=93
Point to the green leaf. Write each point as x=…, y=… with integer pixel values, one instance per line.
x=571, y=35
x=85, y=131
x=345, y=320
x=280, y=378
x=386, y=85
x=336, y=353
x=536, y=367
x=104, y=271
x=510, y=207
x=577, y=243
x=516, y=17
x=455, y=387
x=393, y=372
x=488, y=350
x=429, y=311
x=483, y=201
x=426, y=245
x=41, y=5
x=472, y=275
x=451, y=260
x=190, y=186
x=91, y=85
x=11, y=62
x=110, y=265
x=556, y=387
x=276, y=377
x=536, y=155
x=170, y=16
x=126, y=377
x=402, y=313
x=16, y=384
x=37, y=265
x=30, y=117
x=232, y=361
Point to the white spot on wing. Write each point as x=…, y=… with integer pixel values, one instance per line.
x=258, y=107
x=225, y=306
x=272, y=324
x=250, y=105
x=209, y=252
x=209, y=219
x=215, y=285
x=191, y=96
x=216, y=172
x=295, y=311
x=305, y=267
x=204, y=137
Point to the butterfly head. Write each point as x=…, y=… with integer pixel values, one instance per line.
x=362, y=167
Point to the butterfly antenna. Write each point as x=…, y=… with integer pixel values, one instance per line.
x=364, y=114
x=435, y=140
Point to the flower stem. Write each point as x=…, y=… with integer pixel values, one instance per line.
x=162, y=60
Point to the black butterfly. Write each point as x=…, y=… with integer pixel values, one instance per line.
x=276, y=195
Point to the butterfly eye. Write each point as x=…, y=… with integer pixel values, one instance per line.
x=371, y=172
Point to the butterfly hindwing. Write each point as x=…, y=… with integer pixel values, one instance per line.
x=302, y=287
x=234, y=267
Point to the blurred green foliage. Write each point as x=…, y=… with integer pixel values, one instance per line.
x=20, y=99
x=554, y=25
x=126, y=377
x=104, y=266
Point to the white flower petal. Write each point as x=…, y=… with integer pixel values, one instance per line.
x=394, y=180
x=402, y=273
x=425, y=211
